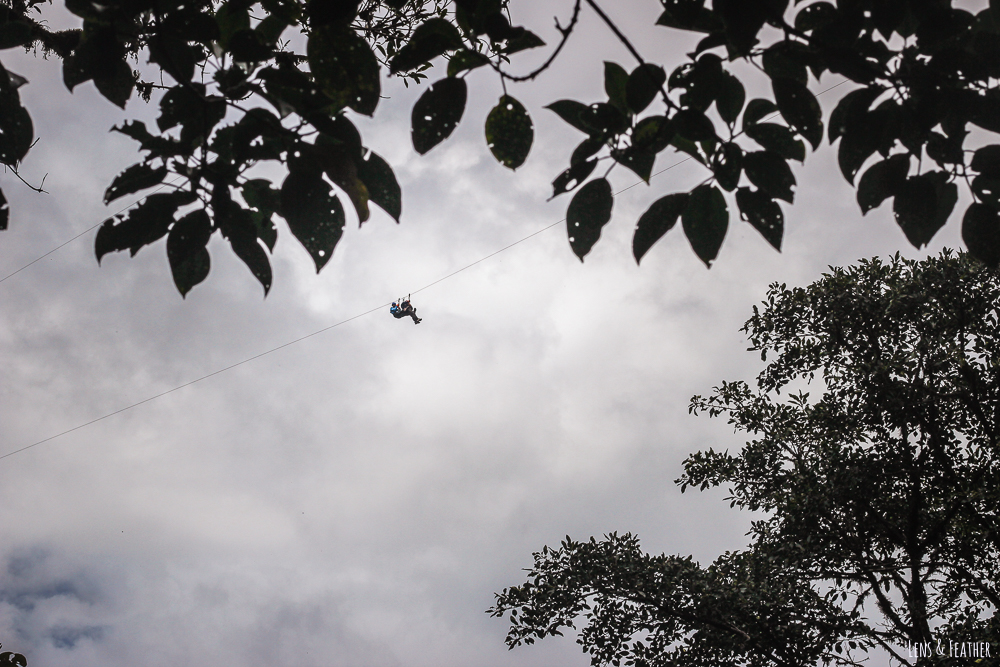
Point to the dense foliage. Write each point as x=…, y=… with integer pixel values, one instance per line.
x=241, y=83
x=878, y=491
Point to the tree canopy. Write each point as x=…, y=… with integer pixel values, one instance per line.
x=241, y=83
x=878, y=490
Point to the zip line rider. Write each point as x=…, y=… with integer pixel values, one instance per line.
x=403, y=308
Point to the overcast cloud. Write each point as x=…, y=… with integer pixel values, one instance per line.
x=356, y=498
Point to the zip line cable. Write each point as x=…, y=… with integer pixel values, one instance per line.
x=314, y=333
x=86, y=231
x=310, y=335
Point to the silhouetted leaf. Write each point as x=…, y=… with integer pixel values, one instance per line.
x=231, y=17
x=643, y=85
x=186, y=250
x=690, y=16
x=770, y=173
x=705, y=220
x=693, y=125
x=466, y=60
x=437, y=113
x=922, y=205
x=653, y=132
x=856, y=146
x=383, y=189
x=4, y=212
x=586, y=149
x=944, y=150
x=118, y=87
x=345, y=68
x=314, y=214
x=259, y=195
x=137, y=177
x=851, y=109
x=157, y=146
x=763, y=213
x=572, y=112
x=572, y=177
x=509, y=132
x=16, y=129
x=981, y=233
x=588, y=212
x=730, y=98
x=881, y=181
x=522, y=42
x=146, y=223
x=756, y=110
x=195, y=113
x=986, y=161
x=604, y=120
x=431, y=39
x=799, y=107
x=987, y=189
x=640, y=160
x=239, y=229
x=658, y=219
x=815, y=16
x=174, y=55
x=339, y=166
x=727, y=164
x=786, y=60
x=615, y=81
x=777, y=139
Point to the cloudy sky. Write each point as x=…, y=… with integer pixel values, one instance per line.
x=358, y=497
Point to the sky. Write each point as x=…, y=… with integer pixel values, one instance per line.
x=358, y=497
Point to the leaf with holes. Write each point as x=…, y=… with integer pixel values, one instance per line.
x=345, y=68
x=259, y=195
x=727, y=164
x=137, y=177
x=881, y=181
x=509, y=132
x=383, y=189
x=314, y=214
x=763, y=213
x=437, y=113
x=778, y=139
x=572, y=177
x=639, y=159
x=981, y=233
x=658, y=219
x=769, y=172
x=705, y=220
x=146, y=223
x=799, y=107
x=588, y=212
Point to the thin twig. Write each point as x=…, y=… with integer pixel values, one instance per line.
x=565, y=32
